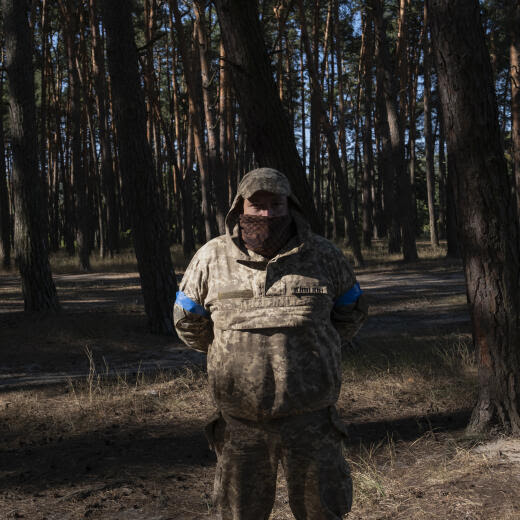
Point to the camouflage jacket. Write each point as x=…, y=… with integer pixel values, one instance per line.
x=272, y=329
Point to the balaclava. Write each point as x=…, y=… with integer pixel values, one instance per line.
x=266, y=235
x=262, y=234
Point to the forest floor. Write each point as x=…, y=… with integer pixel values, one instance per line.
x=100, y=419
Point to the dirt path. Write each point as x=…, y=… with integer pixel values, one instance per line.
x=103, y=313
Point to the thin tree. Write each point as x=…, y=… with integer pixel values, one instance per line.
x=30, y=227
x=190, y=65
x=214, y=162
x=428, y=135
x=5, y=214
x=367, y=54
x=137, y=169
x=108, y=188
x=403, y=204
x=486, y=208
x=69, y=10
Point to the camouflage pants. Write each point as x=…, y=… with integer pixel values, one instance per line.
x=309, y=447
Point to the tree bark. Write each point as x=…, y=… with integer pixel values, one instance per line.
x=30, y=238
x=488, y=222
x=514, y=57
x=443, y=184
x=137, y=169
x=367, y=53
x=108, y=187
x=183, y=169
x=5, y=214
x=194, y=103
x=268, y=128
x=214, y=162
x=428, y=137
x=401, y=176
x=386, y=160
x=69, y=9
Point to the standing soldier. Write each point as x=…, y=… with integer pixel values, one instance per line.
x=271, y=303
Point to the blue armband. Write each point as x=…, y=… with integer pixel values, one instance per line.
x=189, y=305
x=350, y=296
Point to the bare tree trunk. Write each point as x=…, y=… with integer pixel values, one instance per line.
x=385, y=156
x=489, y=227
x=442, y=176
x=184, y=169
x=401, y=176
x=414, y=64
x=5, y=214
x=315, y=112
x=214, y=162
x=428, y=137
x=194, y=102
x=268, y=128
x=108, y=187
x=341, y=122
x=69, y=9
x=302, y=107
x=514, y=59
x=30, y=240
x=367, y=53
x=137, y=169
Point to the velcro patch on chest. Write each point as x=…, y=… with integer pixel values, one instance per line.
x=244, y=293
x=315, y=289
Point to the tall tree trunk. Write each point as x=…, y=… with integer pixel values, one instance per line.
x=514, y=57
x=385, y=155
x=43, y=136
x=443, y=182
x=428, y=137
x=5, y=214
x=214, y=162
x=268, y=127
x=341, y=120
x=108, y=187
x=315, y=112
x=404, y=207
x=70, y=14
x=184, y=170
x=414, y=64
x=489, y=227
x=194, y=102
x=367, y=52
x=302, y=107
x=30, y=240
x=137, y=169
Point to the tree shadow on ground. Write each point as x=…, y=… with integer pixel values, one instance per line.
x=118, y=453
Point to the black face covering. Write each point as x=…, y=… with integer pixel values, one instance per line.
x=266, y=235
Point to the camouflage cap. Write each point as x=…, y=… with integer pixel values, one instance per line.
x=264, y=179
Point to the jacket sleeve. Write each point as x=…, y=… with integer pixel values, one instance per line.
x=191, y=319
x=350, y=305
